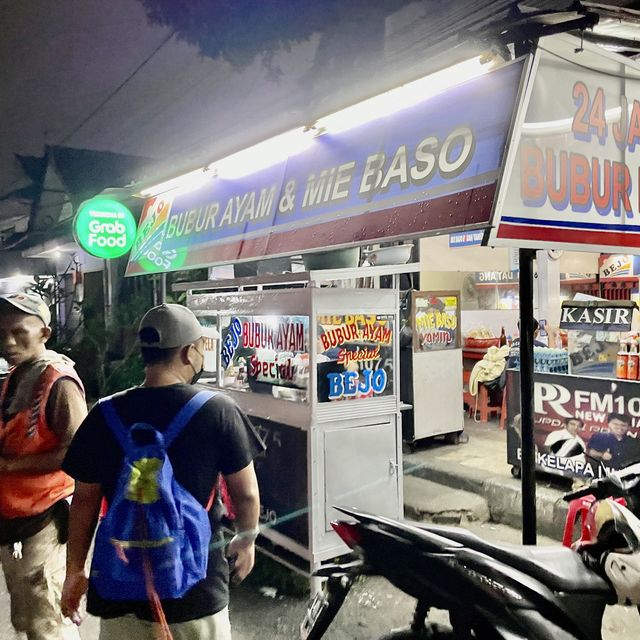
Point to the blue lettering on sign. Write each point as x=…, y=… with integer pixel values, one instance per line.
x=424, y=152
x=465, y=238
x=231, y=342
x=348, y=384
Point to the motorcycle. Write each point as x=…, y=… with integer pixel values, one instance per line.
x=493, y=591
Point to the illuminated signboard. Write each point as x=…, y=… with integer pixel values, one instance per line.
x=429, y=167
x=571, y=177
x=355, y=357
x=104, y=228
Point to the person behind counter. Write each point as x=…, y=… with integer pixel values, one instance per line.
x=514, y=353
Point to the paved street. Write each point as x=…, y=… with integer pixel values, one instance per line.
x=372, y=608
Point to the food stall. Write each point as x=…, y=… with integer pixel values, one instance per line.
x=411, y=162
x=434, y=346
x=315, y=368
x=600, y=380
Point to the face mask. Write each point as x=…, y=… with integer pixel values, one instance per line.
x=197, y=374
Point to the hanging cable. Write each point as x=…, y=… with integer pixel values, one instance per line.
x=117, y=89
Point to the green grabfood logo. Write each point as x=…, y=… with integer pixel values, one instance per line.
x=104, y=228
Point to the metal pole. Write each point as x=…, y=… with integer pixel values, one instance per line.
x=163, y=288
x=528, y=462
x=107, y=285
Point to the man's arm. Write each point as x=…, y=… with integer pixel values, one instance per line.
x=83, y=517
x=66, y=409
x=245, y=497
x=598, y=448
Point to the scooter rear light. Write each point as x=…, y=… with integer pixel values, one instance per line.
x=350, y=532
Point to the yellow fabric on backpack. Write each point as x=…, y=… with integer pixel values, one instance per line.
x=143, y=481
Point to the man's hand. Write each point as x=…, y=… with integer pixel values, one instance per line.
x=243, y=552
x=74, y=589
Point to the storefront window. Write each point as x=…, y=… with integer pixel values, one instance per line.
x=490, y=290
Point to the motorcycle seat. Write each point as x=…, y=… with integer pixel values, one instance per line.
x=559, y=568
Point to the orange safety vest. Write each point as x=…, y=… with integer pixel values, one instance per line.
x=29, y=494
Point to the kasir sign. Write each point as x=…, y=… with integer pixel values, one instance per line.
x=104, y=228
x=598, y=316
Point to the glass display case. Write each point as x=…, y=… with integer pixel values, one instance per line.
x=315, y=370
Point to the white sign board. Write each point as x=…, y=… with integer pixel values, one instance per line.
x=571, y=178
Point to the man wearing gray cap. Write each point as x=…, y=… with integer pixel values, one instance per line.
x=41, y=405
x=217, y=439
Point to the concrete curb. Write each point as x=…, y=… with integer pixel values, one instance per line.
x=428, y=501
x=503, y=494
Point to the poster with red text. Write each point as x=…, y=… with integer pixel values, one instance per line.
x=354, y=357
x=266, y=354
x=572, y=173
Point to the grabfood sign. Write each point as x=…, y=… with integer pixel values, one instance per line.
x=104, y=228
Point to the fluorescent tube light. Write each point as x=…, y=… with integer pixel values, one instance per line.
x=182, y=184
x=401, y=97
x=278, y=148
x=264, y=154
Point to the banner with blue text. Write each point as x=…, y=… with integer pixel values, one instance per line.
x=427, y=168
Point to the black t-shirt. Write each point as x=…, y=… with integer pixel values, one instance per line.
x=218, y=439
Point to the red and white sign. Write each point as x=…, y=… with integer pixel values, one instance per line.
x=572, y=175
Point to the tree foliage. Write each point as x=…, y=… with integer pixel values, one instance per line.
x=239, y=30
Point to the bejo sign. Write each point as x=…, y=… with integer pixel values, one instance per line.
x=104, y=228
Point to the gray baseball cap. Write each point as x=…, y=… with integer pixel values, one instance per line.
x=30, y=303
x=176, y=326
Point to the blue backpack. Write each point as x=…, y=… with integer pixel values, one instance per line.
x=154, y=539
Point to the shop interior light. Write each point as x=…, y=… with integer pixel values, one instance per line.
x=407, y=95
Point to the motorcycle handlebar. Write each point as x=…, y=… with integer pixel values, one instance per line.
x=611, y=486
x=580, y=493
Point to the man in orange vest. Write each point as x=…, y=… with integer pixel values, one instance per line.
x=41, y=405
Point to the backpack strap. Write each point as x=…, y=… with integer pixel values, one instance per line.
x=114, y=422
x=178, y=423
x=185, y=414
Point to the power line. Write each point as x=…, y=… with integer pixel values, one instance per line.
x=117, y=89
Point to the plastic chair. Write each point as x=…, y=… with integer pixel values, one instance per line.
x=480, y=404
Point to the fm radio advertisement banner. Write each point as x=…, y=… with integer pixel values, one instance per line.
x=436, y=321
x=572, y=172
x=354, y=357
x=266, y=354
x=366, y=183
x=582, y=426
